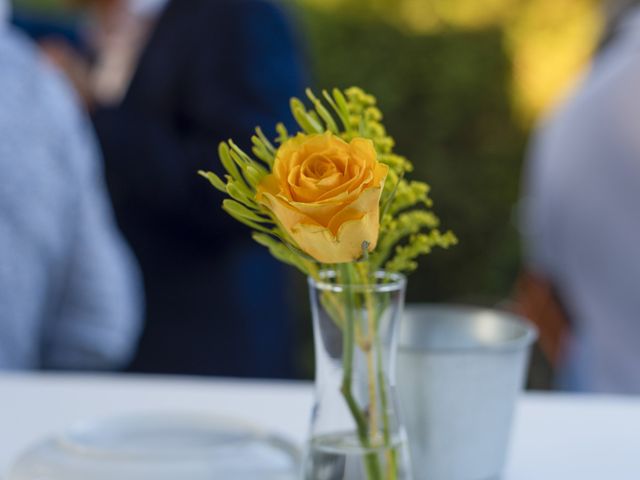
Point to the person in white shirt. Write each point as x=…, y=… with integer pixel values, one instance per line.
x=582, y=216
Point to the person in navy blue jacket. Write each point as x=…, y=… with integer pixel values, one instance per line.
x=167, y=82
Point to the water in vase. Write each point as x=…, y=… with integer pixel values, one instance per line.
x=340, y=457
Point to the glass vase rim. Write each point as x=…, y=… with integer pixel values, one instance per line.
x=398, y=282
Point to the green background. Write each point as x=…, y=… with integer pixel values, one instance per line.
x=461, y=83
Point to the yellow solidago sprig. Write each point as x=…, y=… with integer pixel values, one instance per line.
x=333, y=192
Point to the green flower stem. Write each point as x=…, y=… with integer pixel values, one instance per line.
x=376, y=344
x=392, y=460
x=371, y=459
x=372, y=333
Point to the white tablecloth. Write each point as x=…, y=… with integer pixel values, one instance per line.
x=555, y=437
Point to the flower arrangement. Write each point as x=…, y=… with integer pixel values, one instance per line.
x=333, y=201
x=323, y=192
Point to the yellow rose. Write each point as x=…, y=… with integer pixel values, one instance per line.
x=326, y=194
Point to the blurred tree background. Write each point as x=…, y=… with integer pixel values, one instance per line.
x=461, y=83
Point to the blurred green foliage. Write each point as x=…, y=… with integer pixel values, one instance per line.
x=548, y=41
x=460, y=82
x=42, y=5
x=446, y=101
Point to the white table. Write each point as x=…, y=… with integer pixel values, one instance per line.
x=556, y=437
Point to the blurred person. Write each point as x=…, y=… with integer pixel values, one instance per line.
x=581, y=221
x=69, y=291
x=168, y=81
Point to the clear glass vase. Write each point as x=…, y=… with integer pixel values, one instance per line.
x=356, y=432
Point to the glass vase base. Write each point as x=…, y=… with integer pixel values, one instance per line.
x=341, y=457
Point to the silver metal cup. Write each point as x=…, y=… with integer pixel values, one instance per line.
x=460, y=371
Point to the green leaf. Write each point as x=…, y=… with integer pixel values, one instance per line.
x=241, y=210
x=265, y=141
x=263, y=148
x=240, y=193
x=253, y=175
x=225, y=157
x=250, y=181
x=316, y=119
x=323, y=112
x=344, y=116
x=242, y=219
x=342, y=106
x=281, y=252
x=283, y=135
x=214, y=179
x=305, y=119
x=242, y=159
x=260, y=151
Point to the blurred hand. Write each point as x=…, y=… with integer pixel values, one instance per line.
x=74, y=66
x=536, y=299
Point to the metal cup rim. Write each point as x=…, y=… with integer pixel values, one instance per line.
x=518, y=343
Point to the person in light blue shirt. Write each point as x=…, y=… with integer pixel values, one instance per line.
x=581, y=217
x=69, y=288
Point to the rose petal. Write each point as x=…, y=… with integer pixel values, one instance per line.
x=321, y=213
x=286, y=214
x=326, y=193
x=368, y=201
x=322, y=245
